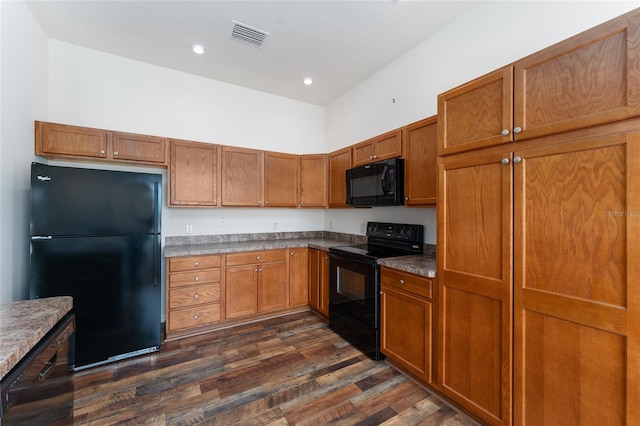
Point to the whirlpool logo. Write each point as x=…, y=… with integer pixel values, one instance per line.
x=43, y=178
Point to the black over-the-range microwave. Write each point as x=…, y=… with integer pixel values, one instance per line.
x=376, y=184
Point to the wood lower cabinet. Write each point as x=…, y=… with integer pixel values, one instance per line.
x=194, y=170
x=339, y=163
x=406, y=322
x=298, y=276
x=475, y=283
x=421, y=162
x=256, y=282
x=319, y=281
x=195, y=294
x=314, y=180
x=61, y=141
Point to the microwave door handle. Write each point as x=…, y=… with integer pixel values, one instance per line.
x=383, y=177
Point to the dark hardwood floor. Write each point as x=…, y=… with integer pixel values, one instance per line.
x=284, y=371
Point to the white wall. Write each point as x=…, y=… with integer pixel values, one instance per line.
x=24, y=96
x=487, y=37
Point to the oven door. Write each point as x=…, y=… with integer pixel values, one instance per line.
x=353, y=289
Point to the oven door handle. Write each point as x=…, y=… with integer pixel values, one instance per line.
x=350, y=259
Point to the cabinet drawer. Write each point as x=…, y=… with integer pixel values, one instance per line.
x=407, y=282
x=183, y=297
x=253, y=257
x=177, y=264
x=197, y=277
x=193, y=317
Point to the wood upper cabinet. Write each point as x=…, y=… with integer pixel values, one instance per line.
x=421, y=162
x=319, y=281
x=475, y=283
x=577, y=245
x=256, y=282
x=194, y=174
x=242, y=172
x=298, y=276
x=477, y=114
x=54, y=140
x=586, y=80
x=387, y=145
x=406, y=321
x=281, y=179
x=339, y=163
x=314, y=184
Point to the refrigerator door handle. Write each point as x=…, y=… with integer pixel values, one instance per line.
x=42, y=237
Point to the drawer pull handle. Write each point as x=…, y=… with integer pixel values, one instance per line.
x=195, y=317
x=195, y=296
x=401, y=281
x=196, y=264
x=257, y=257
x=196, y=279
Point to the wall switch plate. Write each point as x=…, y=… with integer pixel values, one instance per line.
x=188, y=228
x=362, y=228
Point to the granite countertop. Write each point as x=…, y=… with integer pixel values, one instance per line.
x=23, y=324
x=420, y=264
x=233, y=243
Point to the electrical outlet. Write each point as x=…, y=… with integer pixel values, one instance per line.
x=331, y=226
x=362, y=228
x=275, y=226
x=188, y=228
x=222, y=222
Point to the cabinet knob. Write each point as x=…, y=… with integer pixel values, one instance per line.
x=381, y=292
x=102, y=151
x=259, y=202
x=375, y=156
x=401, y=281
x=301, y=203
x=255, y=270
x=406, y=198
x=505, y=132
x=517, y=130
x=195, y=317
x=196, y=279
x=291, y=253
x=196, y=264
x=115, y=152
x=266, y=202
x=371, y=157
x=505, y=161
x=516, y=160
x=260, y=270
x=195, y=296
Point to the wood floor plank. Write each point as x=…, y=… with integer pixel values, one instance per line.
x=281, y=371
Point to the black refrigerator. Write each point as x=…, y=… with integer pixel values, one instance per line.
x=95, y=236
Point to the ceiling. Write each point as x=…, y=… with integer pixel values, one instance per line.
x=337, y=43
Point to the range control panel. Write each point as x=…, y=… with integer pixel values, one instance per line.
x=396, y=231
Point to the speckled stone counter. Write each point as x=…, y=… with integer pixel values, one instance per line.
x=424, y=264
x=233, y=243
x=24, y=323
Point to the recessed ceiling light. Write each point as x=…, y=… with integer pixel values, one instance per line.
x=198, y=48
x=308, y=81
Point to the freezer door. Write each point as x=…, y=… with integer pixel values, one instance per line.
x=68, y=201
x=114, y=282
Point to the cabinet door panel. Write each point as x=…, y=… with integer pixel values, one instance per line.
x=586, y=80
x=421, y=159
x=475, y=114
x=323, y=291
x=388, y=145
x=406, y=331
x=474, y=270
x=273, y=285
x=193, y=172
x=59, y=139
x=576, y=340
x=132, y=147
x=298, y=276
x=363, y=152
x=281, y=179
x=314, y=278
x=339, y=162
x=313, y=181
x=241, y=296
x=242, y=171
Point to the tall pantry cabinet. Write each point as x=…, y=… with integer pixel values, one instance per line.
x=539, y=235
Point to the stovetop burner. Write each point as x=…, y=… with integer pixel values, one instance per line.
x=386, y=240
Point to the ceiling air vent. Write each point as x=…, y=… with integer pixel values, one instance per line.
x=248, y=35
